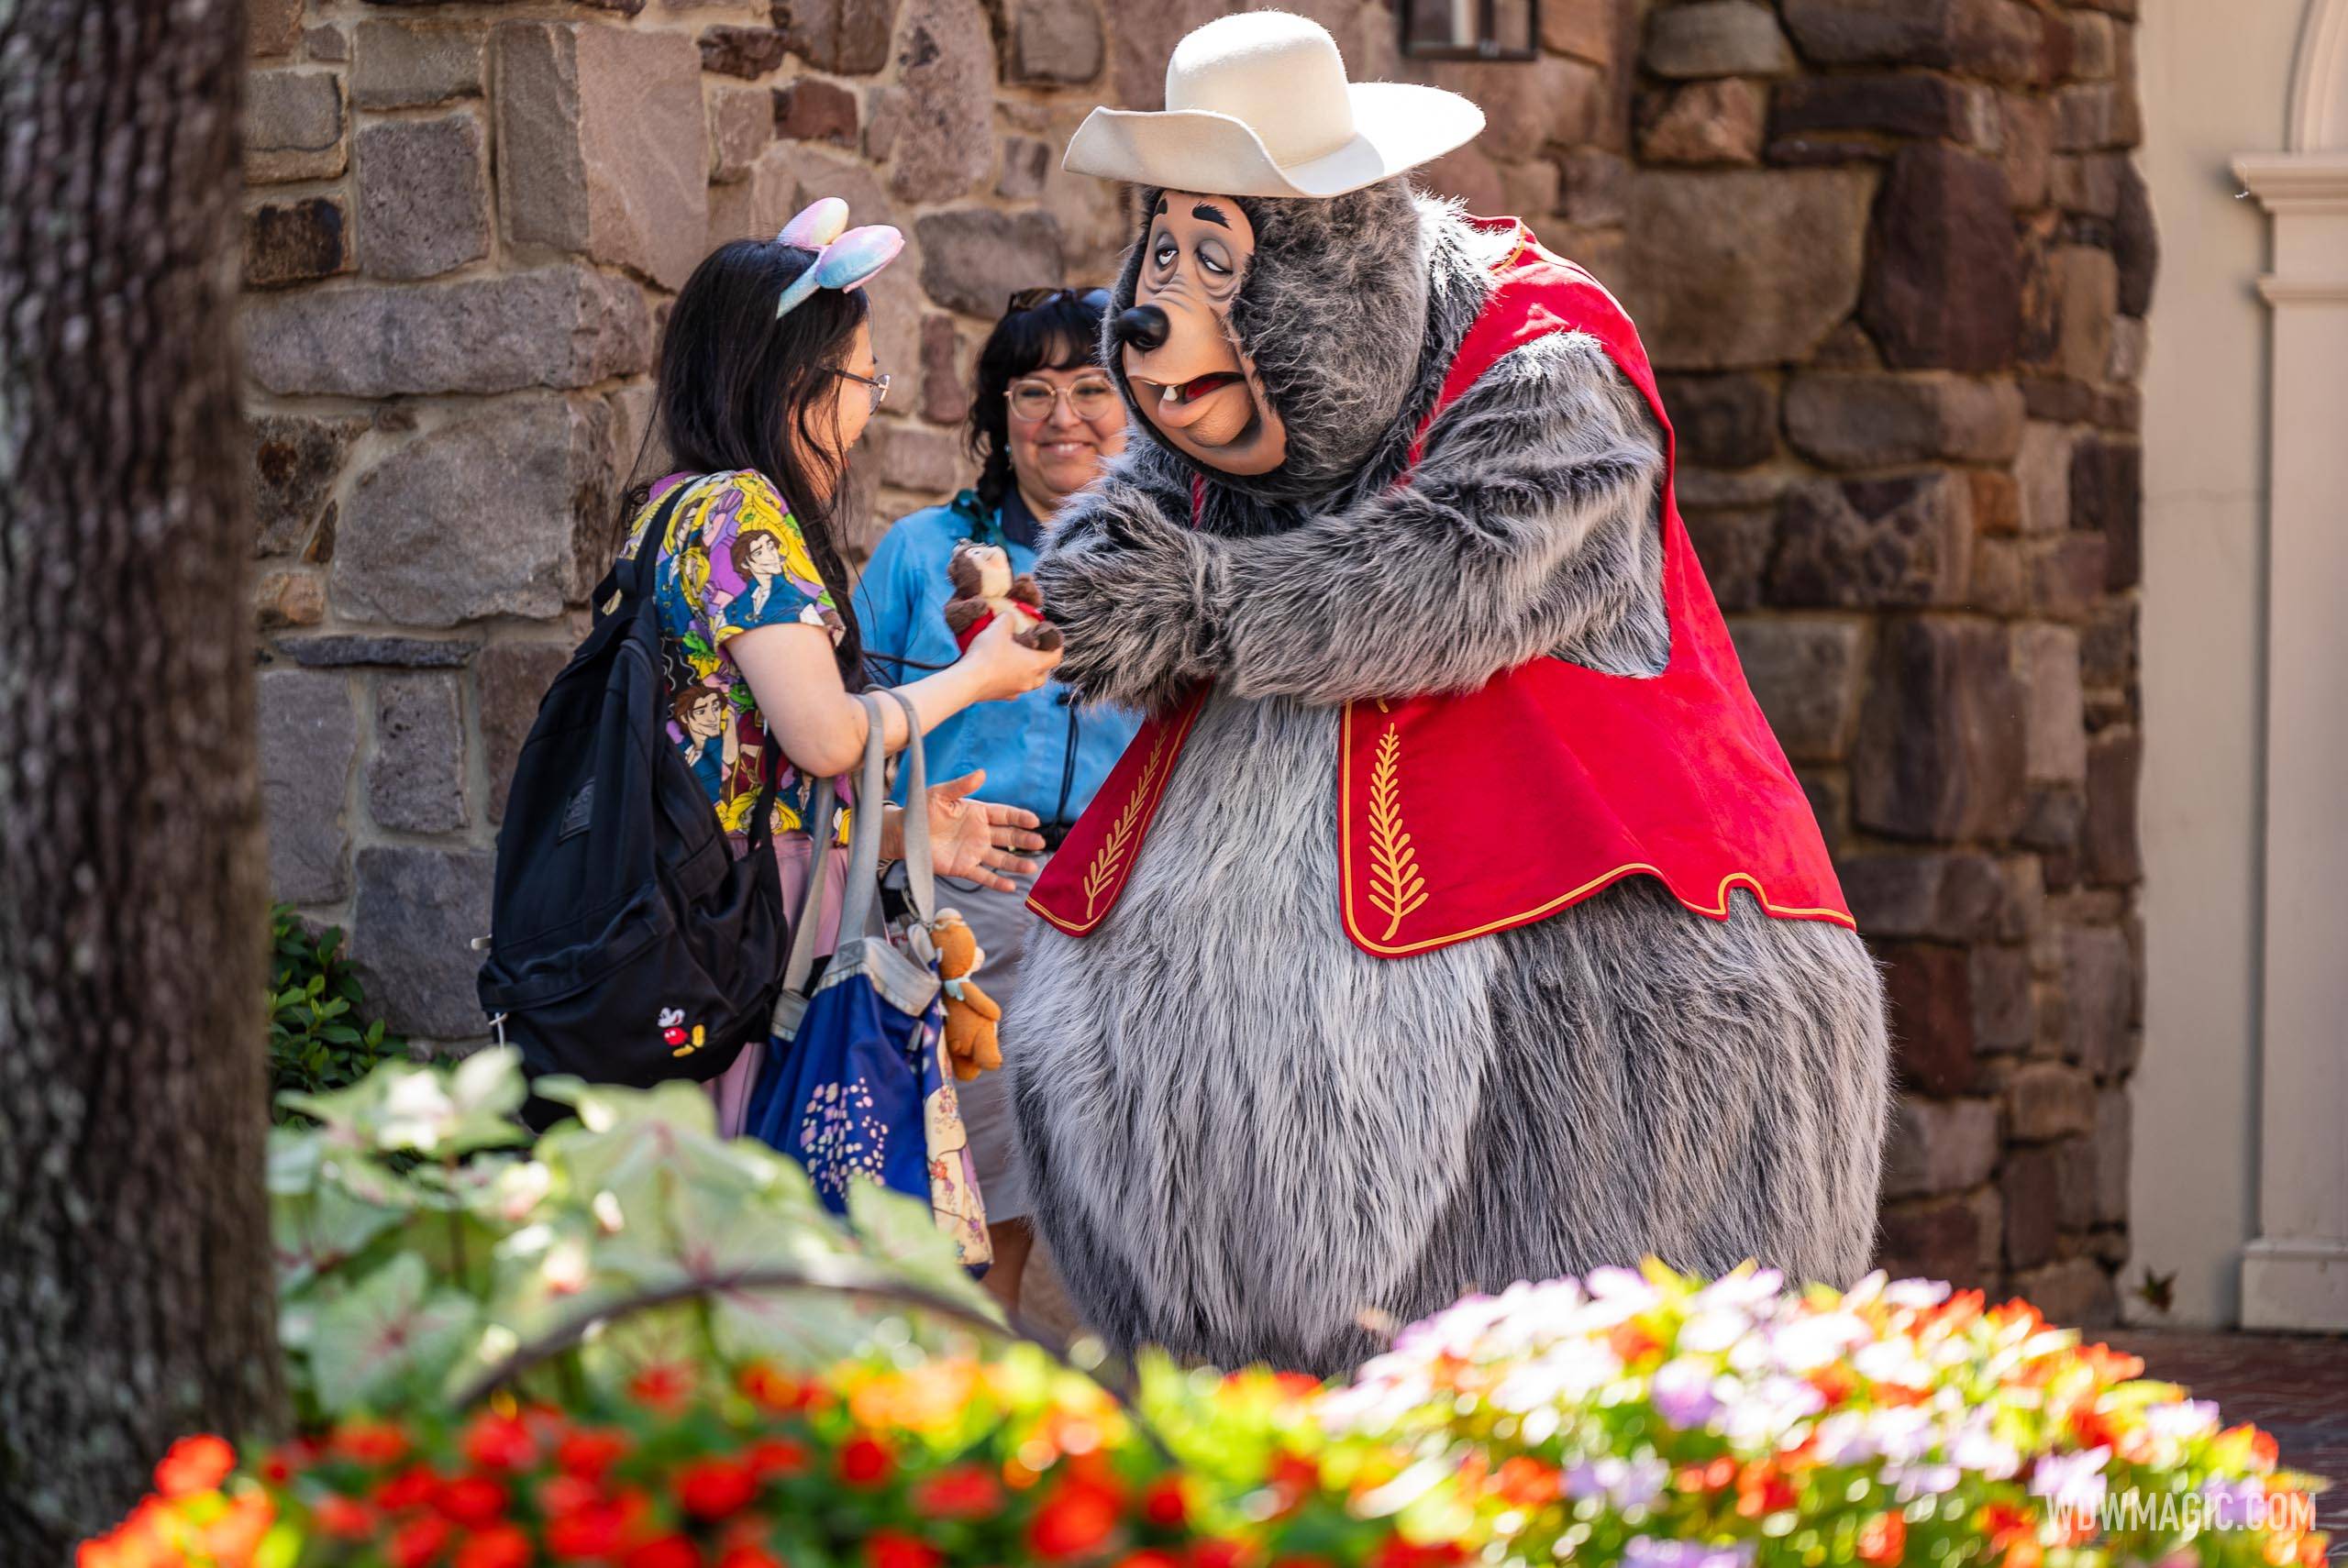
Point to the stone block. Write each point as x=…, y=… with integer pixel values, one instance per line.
x=911, y=457
x=295, y=242
x=1939, y=1146
x=2030, y=1188
x=1945, y=287
x=945, y=389
x=1466, y=175
x=2086, y=184
x=417, y=912
x=2003, y=1011
x=1940, y=750
x=811, y=109
x=293, y=123
x=1591, y=183
x=2025, y=148
x=1529, y=105
x=1742, y=267
x=2112, y=1145
x=2099, y=987
x=293, y=460
x=1892, y=105
x=603, y=144
x=1717, y=37
x=271, y=27
x=1957, y=896
x=309, y=738
x=1053, y=41
x=1532, y=186
x=1857, y=544
x=972, y=258
x=1928, y=996
x=2046, y=1101
x=289, y=599
x=1997, y=501
x=2107, y=495
x=848, y=37
x=403, y=65
x=2066, y=576
x=1707, y=489
x=492, y=514
x=2054, y=746
x=942, y=144
x=2131, y=342
x=2136, y=242
x=510, y=678
x=326, y=44
x=1027, y=168
x=1733, y=547
x=415, y=779
x=422, y=196
x=555, y=326
x=2107, y=848
x=1998, y=585
x=1846, y=421
x=2074, y=1292
x=1723, y=422
x=2088, y=285
x=2094, y=50
x=1707, y=122
x=1942, y=1239
x=1805, y=675
x=746, y=52
x=2042, y=474
x=2107, y=648
x=337, y=650
x=1830, y=802
x=1585, y=29
x=741, y=123
x=2002, y=39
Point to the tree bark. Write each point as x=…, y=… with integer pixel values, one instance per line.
x=136, y=1294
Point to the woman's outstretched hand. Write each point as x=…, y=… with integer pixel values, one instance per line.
x=978, y=842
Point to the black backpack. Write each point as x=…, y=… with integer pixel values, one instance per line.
x=628, y=944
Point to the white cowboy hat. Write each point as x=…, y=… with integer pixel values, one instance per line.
x=1257, y=105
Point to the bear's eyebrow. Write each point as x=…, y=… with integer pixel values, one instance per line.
x=1207, y=213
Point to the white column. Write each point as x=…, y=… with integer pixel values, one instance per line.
x=2295, y=1273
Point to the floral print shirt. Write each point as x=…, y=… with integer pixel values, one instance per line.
x=733, y=560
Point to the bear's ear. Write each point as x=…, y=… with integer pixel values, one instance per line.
x=961, y=571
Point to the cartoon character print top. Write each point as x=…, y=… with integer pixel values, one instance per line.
x=734, y=559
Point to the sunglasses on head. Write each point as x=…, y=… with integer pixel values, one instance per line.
x=1036, y=299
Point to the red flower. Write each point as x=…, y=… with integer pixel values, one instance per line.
x=965, y=1491
x=474, y=1501
x=1217, y=1554
x=893, y=1549
x=747, y=1555
x=1883, y=1540
x=773, y=1390
x=664, y=1388
x=500, y=1443
x=666, y=1552
x=588, y=1453
x=419, y=1543
x=1074, y=1520
x=1163, y=1504
x=369, y=1442
x=1146, y=1558
x=864, y=1462
x=1396, y=1552
x=592, y=1531
x=411, y=1488
x=343, y=1518
x=776, y=1456
x=713, y=1488
x=194, y=1464
x=503, y=1547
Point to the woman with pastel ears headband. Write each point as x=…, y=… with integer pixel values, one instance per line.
x=844, y=256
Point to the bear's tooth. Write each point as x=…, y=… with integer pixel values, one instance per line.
x=1169, y=394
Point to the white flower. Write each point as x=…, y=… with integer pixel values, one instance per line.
x=1808, y=1343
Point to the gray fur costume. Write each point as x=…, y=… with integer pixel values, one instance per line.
x=1245, y=1133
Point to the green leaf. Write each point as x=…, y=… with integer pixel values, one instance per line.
x=391, y=1334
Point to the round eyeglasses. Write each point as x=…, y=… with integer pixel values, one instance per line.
x=1036, y=299
x=1090, y=399
x=878, y=385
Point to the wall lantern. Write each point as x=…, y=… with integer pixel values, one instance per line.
x=1471, y=30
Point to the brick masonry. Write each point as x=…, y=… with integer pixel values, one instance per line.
x=1891, y=260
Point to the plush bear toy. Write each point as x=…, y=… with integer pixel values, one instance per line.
x=970, y=1014
x=985, y=587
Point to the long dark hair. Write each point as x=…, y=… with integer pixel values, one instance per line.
x=1060, y=334
x=733, y=379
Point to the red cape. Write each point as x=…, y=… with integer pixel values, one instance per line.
x=1458, y=816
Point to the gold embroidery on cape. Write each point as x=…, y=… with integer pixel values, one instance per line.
x=1395, y=886
x=1102, y=872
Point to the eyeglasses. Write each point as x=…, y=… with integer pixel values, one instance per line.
x=880, y=385
x=1090, y=399
x=1036, y=299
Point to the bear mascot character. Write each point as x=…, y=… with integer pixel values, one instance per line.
x=1455, y=919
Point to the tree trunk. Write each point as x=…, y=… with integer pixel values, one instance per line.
x=136, y=1298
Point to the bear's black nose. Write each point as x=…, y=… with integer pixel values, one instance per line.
x=1144, y=326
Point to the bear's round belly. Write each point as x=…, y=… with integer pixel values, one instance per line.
x=1256, y=1121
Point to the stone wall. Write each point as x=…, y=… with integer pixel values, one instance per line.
x=1890, y=256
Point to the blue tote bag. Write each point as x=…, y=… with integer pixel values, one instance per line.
x=855, y=1084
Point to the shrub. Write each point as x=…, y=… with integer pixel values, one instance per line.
x=319, y=1036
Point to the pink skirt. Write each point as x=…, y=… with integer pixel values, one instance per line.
x=793, y=853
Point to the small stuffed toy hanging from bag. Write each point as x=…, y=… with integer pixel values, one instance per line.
x=970, y=1014
x=985, y=587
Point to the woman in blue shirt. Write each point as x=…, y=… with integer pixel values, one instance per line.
x=1043, y=421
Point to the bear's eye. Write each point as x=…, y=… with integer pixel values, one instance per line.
x=1163, y=251
x=1214, y=259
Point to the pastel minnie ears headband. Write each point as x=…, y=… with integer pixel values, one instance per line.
x=844, y=256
